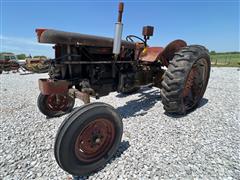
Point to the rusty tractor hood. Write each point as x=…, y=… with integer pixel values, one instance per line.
x=61, y=37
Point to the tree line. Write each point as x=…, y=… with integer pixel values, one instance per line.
x=24, y=56
x=233, y=52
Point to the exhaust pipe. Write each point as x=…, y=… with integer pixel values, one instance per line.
x=118, y=31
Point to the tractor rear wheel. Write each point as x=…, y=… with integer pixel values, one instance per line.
x=186, y=79
x=88, y=138
x=55, y=105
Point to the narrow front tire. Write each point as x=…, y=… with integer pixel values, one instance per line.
x=88, y=138
x=55, y=105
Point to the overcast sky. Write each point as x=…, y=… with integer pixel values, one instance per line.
x=214, y=24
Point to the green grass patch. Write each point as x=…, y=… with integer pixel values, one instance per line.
x=225, y=59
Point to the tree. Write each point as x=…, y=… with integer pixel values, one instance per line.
x=44, y=57
x=21, y=56
x=212, y=52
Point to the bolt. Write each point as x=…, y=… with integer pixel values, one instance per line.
x=98, y=140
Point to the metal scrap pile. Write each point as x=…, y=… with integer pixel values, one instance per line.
x=36, y=65
x=9, y=62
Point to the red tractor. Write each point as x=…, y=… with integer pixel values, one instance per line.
x=87, y=65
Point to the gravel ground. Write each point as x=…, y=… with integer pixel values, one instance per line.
x=204, y=144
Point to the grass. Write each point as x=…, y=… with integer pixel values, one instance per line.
x=225, y=59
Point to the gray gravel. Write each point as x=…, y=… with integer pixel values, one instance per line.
x=204, y=144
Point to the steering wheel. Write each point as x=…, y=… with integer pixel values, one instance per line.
x=130, y=38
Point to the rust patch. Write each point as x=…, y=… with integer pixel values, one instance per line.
x=85, y=97
x=39, y=31
x=95, y=140
x=57, y=102
x=150, y=54
x=48, y=86
x=189, y=82
x=168, y=53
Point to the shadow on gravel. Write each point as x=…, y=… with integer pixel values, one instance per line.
x=124, y=145
x=203, y=102
x=140, y=106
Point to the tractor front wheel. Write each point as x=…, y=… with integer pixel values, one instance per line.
x=186, y=79
x=55, y=105
x=88, y=138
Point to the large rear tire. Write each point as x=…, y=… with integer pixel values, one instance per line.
x=88, y=138
x=186, y=79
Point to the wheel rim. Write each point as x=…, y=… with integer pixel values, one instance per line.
x=58, y=102
x=95, y=140
x=195, y=84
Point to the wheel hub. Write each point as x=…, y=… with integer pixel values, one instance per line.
x=194, y=85
x=94, y=140
x=57, y=102
x=189, y=82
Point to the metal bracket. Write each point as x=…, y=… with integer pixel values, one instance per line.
x=84, y=96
